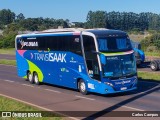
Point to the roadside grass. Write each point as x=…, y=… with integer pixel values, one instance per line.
x=154, y=54
x=8, y=62
x=9, y=51
x=149, y=76
x=10, y=105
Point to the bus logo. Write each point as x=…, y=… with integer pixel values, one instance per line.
x=52, y=57
x=30, y=44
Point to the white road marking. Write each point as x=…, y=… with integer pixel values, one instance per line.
x=43, y=108
x=133, y=108
x=53, y=91
x=85, y=97
x=28, y=85
x=9, y=81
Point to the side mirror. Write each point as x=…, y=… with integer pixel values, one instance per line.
x=103, y=59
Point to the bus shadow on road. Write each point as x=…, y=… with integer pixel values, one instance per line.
x=144, y=88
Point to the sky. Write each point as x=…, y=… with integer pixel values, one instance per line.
x=76, y=10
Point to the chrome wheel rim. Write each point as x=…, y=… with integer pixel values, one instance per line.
x=82, y=87
x=152, y=66
x=30, y=77
x=36, y=79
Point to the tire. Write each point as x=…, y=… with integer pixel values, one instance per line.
x=30, y=77
x=36, y=79
x=158, y=62
x=82, y=87
x=154, y=65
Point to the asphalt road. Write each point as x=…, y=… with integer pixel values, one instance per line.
x=5, y=56
x=72, y=103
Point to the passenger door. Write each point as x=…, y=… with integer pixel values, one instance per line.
x=91, y=57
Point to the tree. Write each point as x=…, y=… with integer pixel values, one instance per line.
x=96, y=19
x=6, y=16
x=20, y=17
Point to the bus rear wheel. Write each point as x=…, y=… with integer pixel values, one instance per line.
x=36, y=79
x=30, y=77
x=82, y=87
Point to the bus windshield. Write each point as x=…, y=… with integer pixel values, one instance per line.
x=119, y=66
x=114, y=44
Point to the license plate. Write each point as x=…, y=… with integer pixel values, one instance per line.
x=123, y=88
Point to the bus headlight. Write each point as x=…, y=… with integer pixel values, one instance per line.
x=110, y=84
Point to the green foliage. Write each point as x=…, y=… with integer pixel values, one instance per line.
x=151, y=43
x=36, y=24
x=20, y=17
x=8, y=62
x=6, y=16
x=127, y=21
x=9, y=51
x=155, y=39
x=8, y=104
x=155, y=54
x=149, y=76
x=11, y=26
x=96, y=19
x=152, y=49
x=145, y=43
x=8, y=41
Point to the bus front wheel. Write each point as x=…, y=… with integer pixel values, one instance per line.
x=82, y=87
x=36, y=79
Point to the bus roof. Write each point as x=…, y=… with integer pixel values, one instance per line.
x=96, y=32
x=107, y=33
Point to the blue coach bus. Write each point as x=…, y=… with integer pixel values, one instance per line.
x=90, y=60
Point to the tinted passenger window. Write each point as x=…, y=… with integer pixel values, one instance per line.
x=54, y=43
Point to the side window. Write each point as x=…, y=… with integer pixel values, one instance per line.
x=75, y=44
x=88, y=43
x=41, y=43
x=54, y=43
x=51, y=42
x=65, y=43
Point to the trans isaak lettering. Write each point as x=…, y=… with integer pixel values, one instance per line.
x=52, y=57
